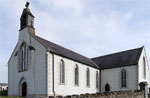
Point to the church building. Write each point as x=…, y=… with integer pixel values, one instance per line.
x=38, y=67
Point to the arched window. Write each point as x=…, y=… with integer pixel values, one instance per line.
x=107, y=88
x=88, y=77
x=144, y=68
x=62, y=71
x=23, y=57
x=76, y=75
x=97, y=79
x=123, y=78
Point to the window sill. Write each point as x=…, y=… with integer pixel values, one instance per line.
x=61, y=83
x=23, y=71
x=124, y=87
x=76, y=85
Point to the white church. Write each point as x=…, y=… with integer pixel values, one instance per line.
x=38, y=67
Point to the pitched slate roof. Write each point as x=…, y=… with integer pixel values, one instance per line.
x=120, y=59
x=59, y=50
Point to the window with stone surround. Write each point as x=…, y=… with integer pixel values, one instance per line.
x=144, y=68
x=97, y=79
x=23, y=57
x=76, y=75
x=123, y=78
x=62, y=71
x=88, y=77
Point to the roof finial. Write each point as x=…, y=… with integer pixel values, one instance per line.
x=27, y=4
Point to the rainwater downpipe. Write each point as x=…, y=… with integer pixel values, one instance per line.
x=53, y=73
x=100, y=81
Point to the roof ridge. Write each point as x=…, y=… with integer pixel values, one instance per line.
x=119, y=59
x=118, y=52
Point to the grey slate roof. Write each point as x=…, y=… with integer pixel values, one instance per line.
x=59, y=50
x=120, y=59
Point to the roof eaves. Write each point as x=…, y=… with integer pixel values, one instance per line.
x=77, y=60
x=119, y=66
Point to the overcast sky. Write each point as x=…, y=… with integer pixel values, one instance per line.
x=89, y=27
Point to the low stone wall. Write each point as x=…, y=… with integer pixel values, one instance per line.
x=117, y=94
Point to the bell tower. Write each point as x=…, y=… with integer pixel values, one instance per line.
x=27, y=19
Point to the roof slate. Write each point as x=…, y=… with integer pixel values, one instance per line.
x=59, y=50
x=120, y=59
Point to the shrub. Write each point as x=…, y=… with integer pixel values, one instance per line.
x=3, y=93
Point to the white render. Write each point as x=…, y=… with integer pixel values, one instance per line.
x=141, y=71
x=140, y=67
x=37, y=64
x=113, y=78
x=69, y=87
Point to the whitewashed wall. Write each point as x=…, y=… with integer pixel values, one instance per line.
x=141, y=70
x=113, y=78
x=69, y=87
x=140, y=67
x=35, y=76
x=49, y=74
